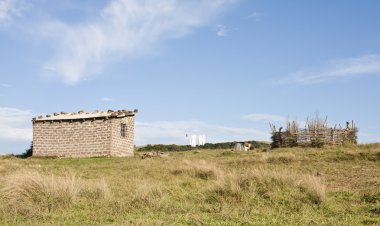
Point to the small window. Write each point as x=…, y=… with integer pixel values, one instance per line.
x=122, y=129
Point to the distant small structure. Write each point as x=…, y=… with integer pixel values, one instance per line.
x=246, y=146
x=201, y=140
x=239, y=147
x=193, y=141
x=315, y=134
x=82, y=134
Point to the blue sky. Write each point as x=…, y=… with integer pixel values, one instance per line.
x=223, y=68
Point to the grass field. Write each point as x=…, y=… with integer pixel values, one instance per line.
x=328, y=186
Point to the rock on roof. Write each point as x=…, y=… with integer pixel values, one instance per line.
x=86, y=115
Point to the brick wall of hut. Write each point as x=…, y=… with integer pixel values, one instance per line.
x=122, y=146
x=83, y=138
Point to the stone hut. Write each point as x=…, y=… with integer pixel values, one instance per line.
x=84, y=134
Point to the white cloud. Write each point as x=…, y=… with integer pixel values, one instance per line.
x=221, y=30
x=174, y=132
x=255, y=16
x=10, y=8
x=15, y=124
x=264, y=117
x=124, y=28
x=269, y=118
x=106, y=99
x=342, y=68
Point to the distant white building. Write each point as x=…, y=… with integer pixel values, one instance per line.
x=201, y=140
x=193, y=141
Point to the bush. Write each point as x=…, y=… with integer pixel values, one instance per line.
x=174, y=147
x=28, y=152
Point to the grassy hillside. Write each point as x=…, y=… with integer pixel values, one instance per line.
x=326, y=186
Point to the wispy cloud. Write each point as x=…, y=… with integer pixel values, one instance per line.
x=173, y=132
x=258, y=117
x=5, y=85
x=124, y=28
x=269, y=118
x=10, y=8
x=221, y=30
x=49, y=68
x=342, y=68
x=15, y=124
x=106, y=99
x=255, y=16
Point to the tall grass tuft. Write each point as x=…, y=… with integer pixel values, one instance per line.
x=313, y=186
x=265, y=181
x=31, y=192
x=233, y=184
x=199, y=169
x=148, y=194
x=236, y=184
x=279, y=158
x=94, y=190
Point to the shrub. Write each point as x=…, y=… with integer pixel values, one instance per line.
x=27, y=153
x=173, y=147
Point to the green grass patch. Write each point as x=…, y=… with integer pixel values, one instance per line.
x=327, y=186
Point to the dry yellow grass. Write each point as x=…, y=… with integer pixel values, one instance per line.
x=200, y=169
x=314, y=187
x=279, y=157
x=29, y=191
x=283, y=187
x=262, y=180
x=232, y=182
x=147, y=194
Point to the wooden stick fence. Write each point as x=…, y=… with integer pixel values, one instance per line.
x=315, y=134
